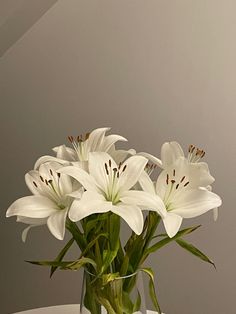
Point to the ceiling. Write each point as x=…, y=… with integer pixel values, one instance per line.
x=17, y=17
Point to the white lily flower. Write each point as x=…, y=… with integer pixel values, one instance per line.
x=50, y=201
x=106, y=185
x=96, y=141
x=179, y=189
x=171, y=151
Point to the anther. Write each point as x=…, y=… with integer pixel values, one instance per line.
x=46, y=181
x=106, y=168
x=190, y=148
x=174, y=172
x=35, y=184
x=41, y=178
x=182, y=179
x=119, y=165
x=125, y=166
x=167, y=179
x=51, y=172
x=59, y=175
x=109, y=163
x=115, y=170
x=186, y=183
x=172, y=181
x=71, y=139
x=193, y=148
x=118, y=174
x=87, y=135
x=177, y=186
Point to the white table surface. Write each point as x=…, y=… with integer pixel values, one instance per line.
x=61, y=309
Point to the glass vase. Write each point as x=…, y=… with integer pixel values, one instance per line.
x=113, y=295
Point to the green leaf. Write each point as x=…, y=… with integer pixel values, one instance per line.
x=137, y=303
x=93, y=242
x=81, y=262
x=152, y=291
x=195, y=251
x=106, y=278
x=61, y=255
x=167, y=240
x=73, y=265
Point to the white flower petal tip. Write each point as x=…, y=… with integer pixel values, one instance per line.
x=215, y=214
x=172, y=224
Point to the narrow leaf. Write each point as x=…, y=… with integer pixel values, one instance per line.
x=152, y=291
x=61, y=255
x=167, y=240
x=195, y=251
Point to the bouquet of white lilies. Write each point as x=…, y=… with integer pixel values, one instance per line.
x=86, y=189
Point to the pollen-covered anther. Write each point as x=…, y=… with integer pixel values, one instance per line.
x=59, y=175
x=106, y=168
x=177, y=186
x=182, y=179
x=46, y=181
x=109, y=162
x=172, y=181
x=51, y=172
x=186, y=183
x=35, y=184
x=125, y=166
x=174, y=172
x=167, y=179
x=41, y=178
x=71, y=139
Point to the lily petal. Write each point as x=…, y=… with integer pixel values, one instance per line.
x=46, y=158
x=80, y=175
x=65, y=153
x=170, y=151
x=56, y=223
x=146, y=183
x=131, y=214
x=34, y=206
x=90, y=203
x=172, y=223
x=95, y=138
x=152, y=158
x=111, y=140
x=133, y=168
x=97, y=161
x=193, y=203
x=146, y=200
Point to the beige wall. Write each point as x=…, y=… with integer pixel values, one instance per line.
x=154, y=71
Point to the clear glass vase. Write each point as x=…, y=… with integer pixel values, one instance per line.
x=113, y=295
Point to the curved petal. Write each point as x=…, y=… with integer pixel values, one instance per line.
x=146, y=200
x=80, y=175
x=65, y=153
x=152, y=158
x=132, y=169
x=34, y=206
x=170, y=151
x=215, y=213
x=199, y=174
x=193, y=203
x=95, y=138
x=25, y=232
x=146, y=183
x=131, y=214
x=56, y=223
x=172, y=223
x=119, y=155
x=111, y=140
x=44, y=159
x=90, y=203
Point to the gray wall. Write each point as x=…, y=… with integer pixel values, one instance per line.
x=154, y=71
